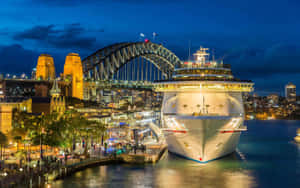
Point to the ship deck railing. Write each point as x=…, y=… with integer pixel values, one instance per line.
x=203, y=79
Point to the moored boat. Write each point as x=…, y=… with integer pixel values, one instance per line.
x=202, y=110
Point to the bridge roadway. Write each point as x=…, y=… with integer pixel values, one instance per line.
x=119, y=84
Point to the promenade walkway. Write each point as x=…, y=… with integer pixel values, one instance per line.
x=38, y=176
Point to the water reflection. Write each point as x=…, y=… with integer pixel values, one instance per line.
x=269, y=158
x=170, y=172
x=226, y=172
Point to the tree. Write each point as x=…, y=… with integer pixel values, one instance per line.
x=18, y=132
x=79, y=128
x=17, y=139
x=55, y=130
x=21, y=156
x=84, y=129
x=73, y=124
x=19, y=128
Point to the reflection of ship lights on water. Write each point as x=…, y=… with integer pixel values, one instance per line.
x=215, y=173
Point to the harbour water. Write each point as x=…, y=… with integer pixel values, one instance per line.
x=266, y=157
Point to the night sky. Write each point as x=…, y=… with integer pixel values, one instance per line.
x=259, y=38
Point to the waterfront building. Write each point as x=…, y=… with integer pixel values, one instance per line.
x=24, y=88
x=1, y=89
x=102, y=115
x=41, y=105
x=7, y=106
x=45, y=69
x=73, y=73
x=273, y=99
x=290, y=92
x=106, y=96
x=58, y=103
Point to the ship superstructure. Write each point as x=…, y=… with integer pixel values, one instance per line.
x=202, y=110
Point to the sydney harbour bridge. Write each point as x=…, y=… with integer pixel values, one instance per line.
x=127, y=65
x=131, y=65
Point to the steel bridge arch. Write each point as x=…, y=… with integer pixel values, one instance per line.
x=102, y=64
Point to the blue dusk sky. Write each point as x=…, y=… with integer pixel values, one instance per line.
x=259, y=38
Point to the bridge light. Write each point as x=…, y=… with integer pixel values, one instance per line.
x=147, y=40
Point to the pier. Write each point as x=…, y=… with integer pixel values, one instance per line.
x=39, y=176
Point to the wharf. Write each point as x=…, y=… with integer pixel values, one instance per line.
x=151, y=156
x=47, y=175
x=141, y=158
x=80, y=165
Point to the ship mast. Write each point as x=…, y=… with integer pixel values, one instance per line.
x=201, y=55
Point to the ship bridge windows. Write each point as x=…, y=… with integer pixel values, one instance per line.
x=204, y=71
x=222, y=86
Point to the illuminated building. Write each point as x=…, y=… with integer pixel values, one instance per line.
x=1, y=90
x=273, y=99
x=290, y=92
x=6, y=111
x=57, y=103
x=106, y=95
x=45, y=69
x=24, y=88
x=73, y=73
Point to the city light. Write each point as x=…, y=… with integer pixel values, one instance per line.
x=132, y=102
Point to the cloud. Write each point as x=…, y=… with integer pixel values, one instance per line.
x=260, y=62
x=70, y=36
x=37, y=33
x=16, y=60
x=270, y=68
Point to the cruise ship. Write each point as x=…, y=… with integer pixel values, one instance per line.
x=202, y=109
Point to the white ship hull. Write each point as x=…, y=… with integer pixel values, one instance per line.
x=202, y=110
x=205, y=138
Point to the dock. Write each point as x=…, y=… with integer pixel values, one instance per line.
x=142, y=158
